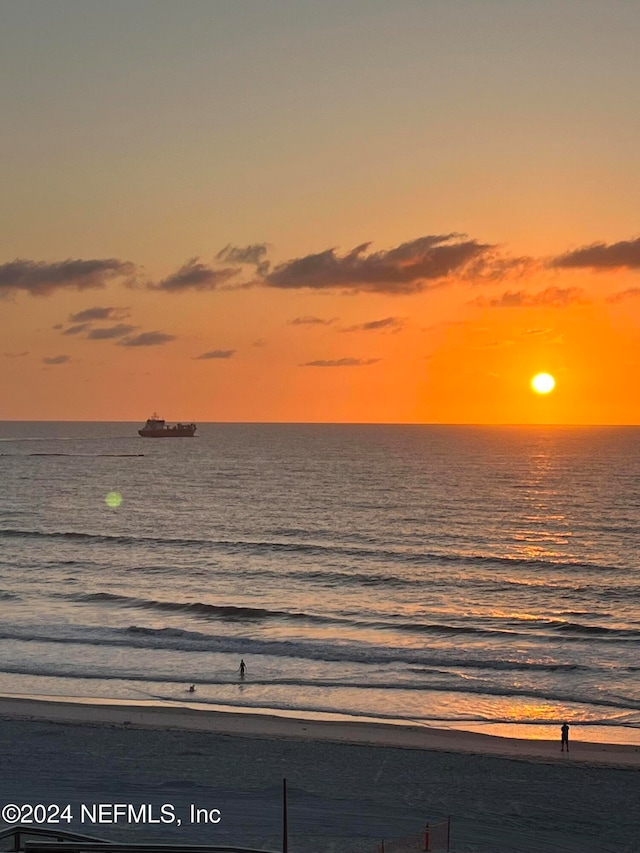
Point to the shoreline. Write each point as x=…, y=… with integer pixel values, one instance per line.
x=249, y=723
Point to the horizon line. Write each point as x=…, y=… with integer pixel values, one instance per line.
x=333, y=423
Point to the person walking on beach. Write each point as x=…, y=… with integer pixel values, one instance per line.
x=242, y=668
x=565, y=736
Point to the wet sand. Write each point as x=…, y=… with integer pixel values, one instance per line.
x=191, y=717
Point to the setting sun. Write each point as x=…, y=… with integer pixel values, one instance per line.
x=543, y=383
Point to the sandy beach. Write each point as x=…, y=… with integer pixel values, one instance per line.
x=191, y=717
x=351, y=784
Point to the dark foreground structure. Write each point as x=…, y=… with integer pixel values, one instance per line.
x=24, y=839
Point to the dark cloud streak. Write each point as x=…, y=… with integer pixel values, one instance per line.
x=553, y=297
x=393, y=324
x=255, y=254
x=409, y=268
x=600, y=256
x=110, y=332
x=147, y=339
x=76, y=330
x=622, y=295
x=99, y=313
x=194, y=275
x=216, y=353
x=341, y=362
x=41, y=279
x=311, y=321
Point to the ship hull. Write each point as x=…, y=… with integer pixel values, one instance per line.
x=157, y=427
x=166, y=433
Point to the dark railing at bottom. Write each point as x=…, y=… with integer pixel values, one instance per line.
x=25, y=839
x=19, y=834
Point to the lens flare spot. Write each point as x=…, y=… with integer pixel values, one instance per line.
x=113, y=500
x=543, y=383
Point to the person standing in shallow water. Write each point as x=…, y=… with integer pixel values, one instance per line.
x=565, y=736
x=242, y=668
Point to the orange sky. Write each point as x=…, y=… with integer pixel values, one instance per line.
x=422, y=206
x=446, y=355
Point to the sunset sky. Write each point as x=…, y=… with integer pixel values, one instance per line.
x=320, y=210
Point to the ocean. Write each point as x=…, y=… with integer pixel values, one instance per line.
x=479, y=578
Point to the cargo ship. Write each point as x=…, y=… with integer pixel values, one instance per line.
x=156, y=427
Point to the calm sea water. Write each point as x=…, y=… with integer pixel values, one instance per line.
x=461, y=576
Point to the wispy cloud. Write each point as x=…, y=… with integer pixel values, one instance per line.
x=16, y=354
x=99, y=313
x=311, y=321
x=194, y=275
x=255, y=254
x=408, y=268
x=388, y=324
x=493, y=265
x=600, y=256
x=75, y=330
x=40, y=278
x=147, y=339
x=57, y=359
x=216, y=353
x=622, y=295
x=341, y=362
x=552, y=297
x=536, y=332
x=84, y=322
x=108, y=333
